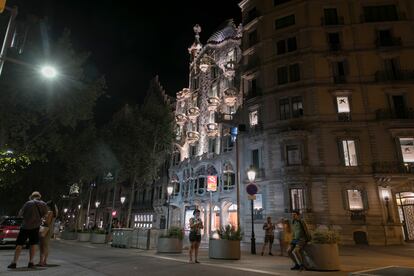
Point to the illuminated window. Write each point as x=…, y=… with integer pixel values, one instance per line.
x=342, y=103
x=254, y=118
x=407, y=149
x=349, y=153
x=355, y=200
x=297, y=199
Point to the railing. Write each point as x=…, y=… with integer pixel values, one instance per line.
x=334, y=47
x=344, y=117
x=388, y=42
x=392, y=167
x=400, y=75
x=384, y=114
x=334, y=21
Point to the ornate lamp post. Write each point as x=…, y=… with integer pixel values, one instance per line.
x=97, y=203
x=169, y=192
x=252, y=190
x=122, y=199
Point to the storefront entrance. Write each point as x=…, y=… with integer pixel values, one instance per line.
x=405, y=202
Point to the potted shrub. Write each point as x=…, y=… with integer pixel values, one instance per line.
x=322, y=252
x=98, y=236
x=172, y=241
x=227, y=246
x=68, y=234
x=84, y=235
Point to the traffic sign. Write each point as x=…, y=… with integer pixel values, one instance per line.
x=251, y=197
x=251, y=189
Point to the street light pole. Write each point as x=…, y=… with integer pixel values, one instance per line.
x=97, y=203
x=123, y=198
x=169, y=192
x=251, y=175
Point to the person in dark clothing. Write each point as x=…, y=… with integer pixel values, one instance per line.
x=32, y=212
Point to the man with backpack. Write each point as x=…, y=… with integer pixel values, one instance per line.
x=300, y=237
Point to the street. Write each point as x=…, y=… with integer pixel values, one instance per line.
x=71, y=257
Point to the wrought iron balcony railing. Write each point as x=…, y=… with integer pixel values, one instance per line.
x=392, y=167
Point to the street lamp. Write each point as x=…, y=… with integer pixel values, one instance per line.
x=386, y=196
x=97, y=203
x=169, y=192
x=251, y=175
x=48, y=71
x=123, y=198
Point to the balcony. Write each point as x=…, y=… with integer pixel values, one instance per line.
x=332, y=21
x=224, y=118
x=389, y=76
x=392, y=167
x=230, y=96
x=212, y=129
x=339, y=79
x=334, y=47
x=213, y=103
x=183, y=94
x=193, y=113
x=388, y=42
x=387, y=114
x=193, y=136
x=180, y=118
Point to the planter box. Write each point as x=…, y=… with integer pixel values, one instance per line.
x=98, y=238
x=68, y=235
x=322, y=256
x=224, y=249
x=84, y=237
x=169, y=245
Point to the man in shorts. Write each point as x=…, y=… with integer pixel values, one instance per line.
x=300, y=237
x=269, y=228
x=32, y=212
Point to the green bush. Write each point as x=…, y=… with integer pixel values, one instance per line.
x=174, y=232
x=99, y=231
x=230, y=233
x=325, y=237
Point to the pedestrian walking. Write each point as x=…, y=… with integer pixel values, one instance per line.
x=32, y=212
x=300, y=237
x=49, y=222
x=196, y=224
x=269, y=228
x=284, y=235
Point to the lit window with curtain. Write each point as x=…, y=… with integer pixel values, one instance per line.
x=349, y=153
x=297, y=199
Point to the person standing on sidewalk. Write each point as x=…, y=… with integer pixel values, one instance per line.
x=269, y=227
x=300, y=237
x=49, y=221
x=32, y=212
x=196, y=224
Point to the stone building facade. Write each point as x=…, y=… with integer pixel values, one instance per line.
x=329, y=98
x=204, y=145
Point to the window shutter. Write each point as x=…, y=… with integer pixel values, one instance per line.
x=345, y=202
x=365, y=199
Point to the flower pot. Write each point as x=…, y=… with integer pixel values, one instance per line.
x=84, y=237
x=98, y=238
x=322, y=256
x=66, y=235
x=224, y=249
x=169, y=245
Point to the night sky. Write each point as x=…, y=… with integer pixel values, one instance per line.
x=132, y=41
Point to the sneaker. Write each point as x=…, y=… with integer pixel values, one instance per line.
x=12, y=266
x=296, y=267
x=31, y=265
x=270, y=253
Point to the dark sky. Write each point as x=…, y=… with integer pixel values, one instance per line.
x=131, y=41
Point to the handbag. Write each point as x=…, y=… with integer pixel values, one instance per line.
x=43, y=229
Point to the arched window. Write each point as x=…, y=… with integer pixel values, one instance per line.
x=200, y=181
x=229, y=177
x=175, y=182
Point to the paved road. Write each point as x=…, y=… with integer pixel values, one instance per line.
x=86, y=259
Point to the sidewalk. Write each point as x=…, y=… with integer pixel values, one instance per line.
x=353, y=259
